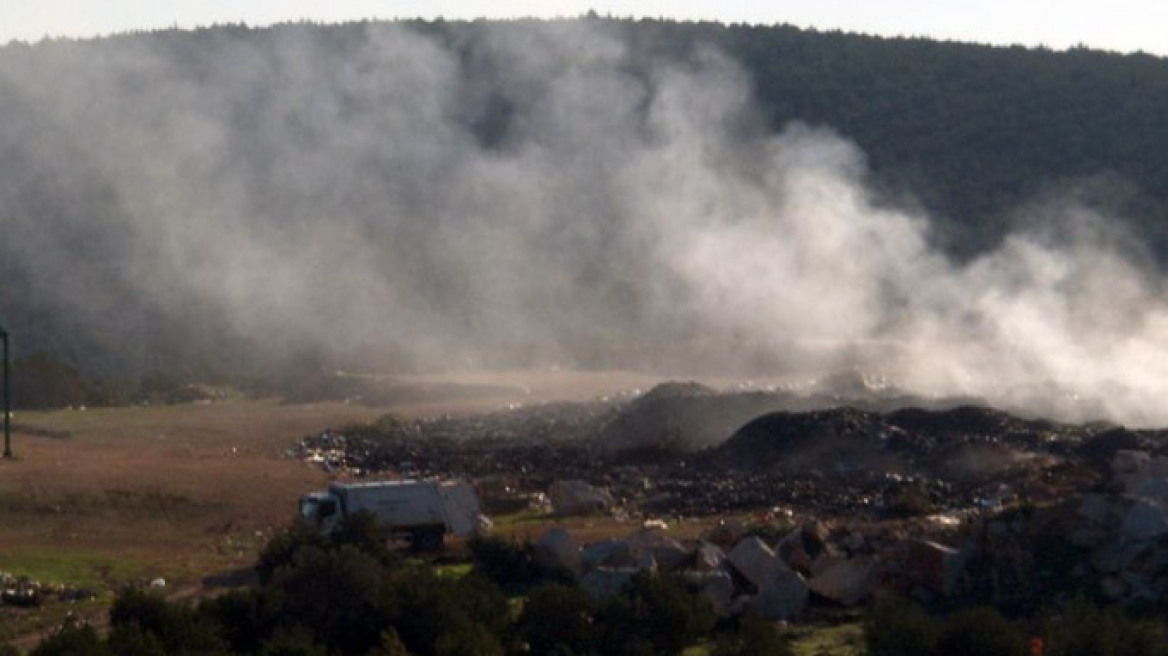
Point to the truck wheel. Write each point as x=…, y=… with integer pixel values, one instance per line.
x=428, y=540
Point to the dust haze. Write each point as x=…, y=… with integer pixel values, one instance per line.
x=547, y=197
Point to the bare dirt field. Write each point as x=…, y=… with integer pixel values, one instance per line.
x=103, y=495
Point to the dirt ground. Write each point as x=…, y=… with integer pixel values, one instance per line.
x=182, y=492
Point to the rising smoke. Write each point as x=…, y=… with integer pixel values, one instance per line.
x=524, y=194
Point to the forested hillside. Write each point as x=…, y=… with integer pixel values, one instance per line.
x=235, y=202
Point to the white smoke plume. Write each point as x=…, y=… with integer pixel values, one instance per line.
x=271, y=191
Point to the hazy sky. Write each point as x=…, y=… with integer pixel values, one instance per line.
x=1122, y=25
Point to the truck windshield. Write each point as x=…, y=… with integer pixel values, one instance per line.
x=308, y=508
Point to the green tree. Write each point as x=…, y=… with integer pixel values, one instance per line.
x=894, y=627
x=557, y=619
x=139, y=619
x=654, y=613
x=339, y=595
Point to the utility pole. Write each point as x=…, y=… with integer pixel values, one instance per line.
x=7, y=399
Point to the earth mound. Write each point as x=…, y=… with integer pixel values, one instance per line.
x=683, y=416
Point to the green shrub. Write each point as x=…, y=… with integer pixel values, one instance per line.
x=245, y=618
x=509, y=563
x=73, y=641
x=653, y=612
x=468, y=639
x=980, y=632
x=391, y=645
x=557, y=618
x=293, y=642
x=139, y=619
x=282, y=549
x=1086, y=630
x=754, y=636
x=339, y=595
x=894, y=627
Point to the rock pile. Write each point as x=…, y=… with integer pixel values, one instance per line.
x=1125, y=529
x=775, y=578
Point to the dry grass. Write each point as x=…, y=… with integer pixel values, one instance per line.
x=175, y=489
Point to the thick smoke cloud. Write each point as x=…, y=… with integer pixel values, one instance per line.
x=525, y=194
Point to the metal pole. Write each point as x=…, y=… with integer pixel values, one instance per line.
x=7, y=400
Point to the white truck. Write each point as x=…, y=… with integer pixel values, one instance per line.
x=421, y=511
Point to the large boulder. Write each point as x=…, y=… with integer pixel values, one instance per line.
x=784, y=598
x=575, y=497
x=607, y=553
x=556, y=550
x=1097, y=509
x=1145, y=520
x=754, y=560
x=668, y=553
x=709, y=558
x=781, y=592
x=716, y=586
x=935, y=566
x=847, y=582
x=604, y=582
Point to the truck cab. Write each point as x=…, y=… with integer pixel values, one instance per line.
x=321, y=510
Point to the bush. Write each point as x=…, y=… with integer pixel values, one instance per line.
x=557, y=619
x=894, y=627
x=508, y=563
x=653, y=612
x=391, y=645
x=283, y=548
x=754, y=636
x=245, y=618
x=980, y=632
x=131, y=640
x=1086, y=630
x=73, y=641
x=468, y=639
x=339, y=595
x=293, y=642
x=428, y=609
x=139, y=620
x=362, y=531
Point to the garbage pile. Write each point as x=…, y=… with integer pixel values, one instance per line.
x=837, y=461
x=26, y=592
x=934, y=503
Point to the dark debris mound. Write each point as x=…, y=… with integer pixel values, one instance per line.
x=682, y=417
x=966, y=421
x=914, y=442
x=840, y=439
